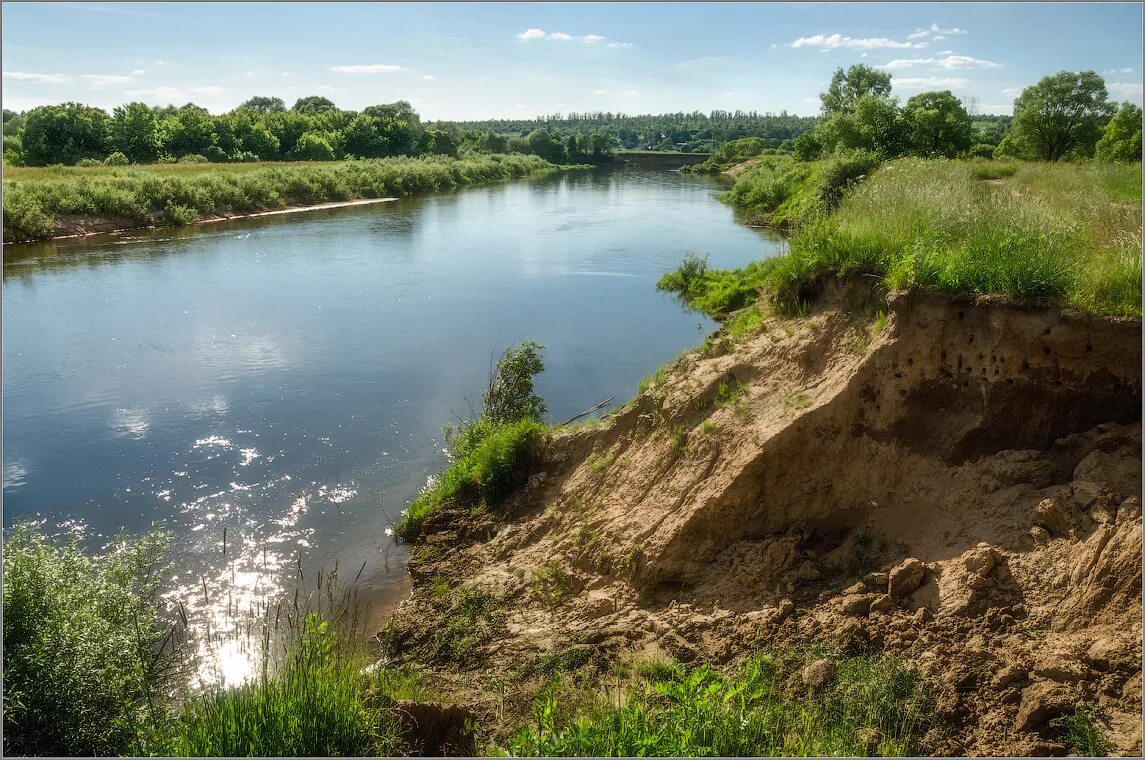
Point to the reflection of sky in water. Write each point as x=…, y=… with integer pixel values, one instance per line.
x=270, y=379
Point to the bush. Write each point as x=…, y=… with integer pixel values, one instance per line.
x=842, y=171
x=175, y=215
x=87, y=162
x=980, y=150
x=83, y=651
x=193, y=158
x=116, y=159
x=715, y=292
x=244, y=157
x=215, y=154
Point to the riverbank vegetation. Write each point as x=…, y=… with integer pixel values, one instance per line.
x=874, y=191
x=35, y=199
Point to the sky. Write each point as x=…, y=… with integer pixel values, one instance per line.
x=520, y=60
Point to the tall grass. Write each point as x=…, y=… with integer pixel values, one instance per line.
x=33, y=204
x=315, y=705
x=87, y=660
x=717, y=292
x=1051, y=234
x=874, y=705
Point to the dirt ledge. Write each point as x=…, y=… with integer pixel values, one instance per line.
x=961, y=489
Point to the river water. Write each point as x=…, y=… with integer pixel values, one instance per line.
x=271, y=378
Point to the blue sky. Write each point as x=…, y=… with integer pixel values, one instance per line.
x=470, y=61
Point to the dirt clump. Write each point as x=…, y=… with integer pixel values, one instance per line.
x=961, y=489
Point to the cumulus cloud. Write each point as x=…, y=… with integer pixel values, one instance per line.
x=27, y=76
x=935, y=32
x=209, y=89
x=1118, y=71
x=922, y=83
x=1124, y=88
x=949, y=62
x=102, y=80
x=839, y=41
x=368, y=68
x=541, y=34
x=163, y=92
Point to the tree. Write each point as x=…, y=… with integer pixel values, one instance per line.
x=938, y=125
x=847, y=87
x=1122, y=138
x=365, y=137
x=264, y=104
x=542, y=143
x=135, y=132
x=312, y=147
x=1061, y=116
x=64, y=134
x=314, y=104
x=439, y=142
x=191, y=130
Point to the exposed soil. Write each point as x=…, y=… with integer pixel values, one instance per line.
x=78, y=225
x=961, y=489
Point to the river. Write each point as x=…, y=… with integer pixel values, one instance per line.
x=273, y=377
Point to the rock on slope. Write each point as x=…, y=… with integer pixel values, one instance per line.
x=961, y=488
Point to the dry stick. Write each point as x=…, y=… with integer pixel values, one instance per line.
x=590, y=410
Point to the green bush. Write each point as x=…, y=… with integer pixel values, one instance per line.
x=717, y=292
x=84, y=653
x=842, y=171
x=175, y=215
x=980, y=150
x=193, y=158
x=116, y=159
x=89, y=162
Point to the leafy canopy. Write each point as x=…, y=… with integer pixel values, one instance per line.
x=1060, y=116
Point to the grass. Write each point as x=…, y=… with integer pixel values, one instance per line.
x=715, y=292
x=483, y=475
x=472, y=619
x=1080, y=732
x=172, y=194
x=316, y=705
x=876, y=704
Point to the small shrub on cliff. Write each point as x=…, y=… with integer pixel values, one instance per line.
x=489, y=452
x=717, y=292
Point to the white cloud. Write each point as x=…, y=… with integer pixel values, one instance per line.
x=590, y=38
x=138, y=72
x=163, y=92
x=934, y=32
x=921, y=83
x=946, y=52
x=598, y=92
x=102, y=80
x=531, y=34
x=368, y=68
x=209, y=89
x=863, y=55
x=25, y=104
x=949, y=62
x=1012, y=91
x=1119, y=71
x=428, y=77
x=538, y=34
x=1124, y=88
x=286, y=75
x=325, y=88
x=838, y=41
x=26, y=76
x=160, y=63
x=619, y=44
x=559, y=36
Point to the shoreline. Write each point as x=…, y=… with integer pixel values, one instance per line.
x=90, y=226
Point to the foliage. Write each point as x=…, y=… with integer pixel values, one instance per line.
x=1059, y=117
x=1080, y=732
x=38, y=196
x=84, y=653
x=64, y=134
x=848, y=87
x=490, y=451
x=1121, y=140
x=315, y=705
x=876, y=706
x=717, y=292
x=116, y=159
x=938, y=125
x=135, y=132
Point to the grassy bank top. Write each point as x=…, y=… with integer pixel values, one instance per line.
x=1060, y=235
x=36, y=199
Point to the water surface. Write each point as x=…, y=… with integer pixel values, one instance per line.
x=273, y=377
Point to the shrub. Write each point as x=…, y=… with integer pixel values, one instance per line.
x=193, y=158
x=842, y=171
x=980, y=150
x=716, y=292
x=88, y=162
x=84, y=653
x=215, y=154
x=116, y=159
x=175, y=215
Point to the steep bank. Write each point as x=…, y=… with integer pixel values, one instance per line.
x=960, y=487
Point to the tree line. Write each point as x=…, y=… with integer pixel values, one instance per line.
x=264, y=129
x=1067, y=116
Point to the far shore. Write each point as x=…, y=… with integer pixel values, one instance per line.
x=75, y=226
